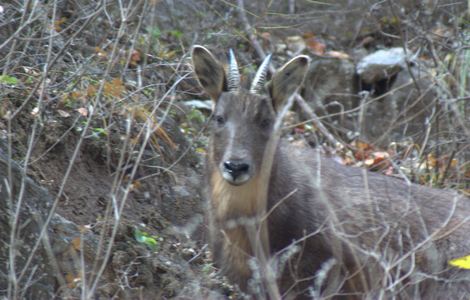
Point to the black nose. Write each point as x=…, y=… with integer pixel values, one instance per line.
x=236, y=168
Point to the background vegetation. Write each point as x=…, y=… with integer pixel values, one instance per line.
x=102, y=125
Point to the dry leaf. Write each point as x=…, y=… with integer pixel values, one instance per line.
x=142, y=115
x=76, y=94
x=369, y=162
x=101, y=52
x=363, y=150
x=266, y=39
x=91, y=91
x=58, y=23
x=35, y=111
x=114, y=88
x=76, y=243
x=167, y=54
x=135, y=58
x=31, y=71
x=389, y=171
x=431, y=160
x=299, y=129
x=381, y=156
x=454, y=163
x=347, y=161
x=84, y=228
x=366, y=41
x=378, y=160
x=337, y=54
x=313, y=44
x=72, y=280
x=83, y=111
x=63, y=113
x=295, y=43
x=136, y=184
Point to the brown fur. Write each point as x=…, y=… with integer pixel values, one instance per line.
x=231, y=201
x=387, y=238
x=227, y=203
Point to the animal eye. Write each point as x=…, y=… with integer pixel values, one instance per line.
x=219, y=120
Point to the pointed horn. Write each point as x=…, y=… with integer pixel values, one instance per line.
x=233, y=74
x=260, y=76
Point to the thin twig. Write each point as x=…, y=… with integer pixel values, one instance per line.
x=316, y=121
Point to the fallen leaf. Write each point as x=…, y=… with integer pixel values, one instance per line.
x=369, y=162
x=63, y=113
x=389, y=171
x=313, y=44
x=295, y=43
x=167, y=54
x=347, y=161
x=35, y=111
x=72, y=279
x=114, y=88
x=91, y=91
x=58, y=24
x=83, y=111
x=366, y=41
x=431, y=160
x=363, y=150
x=377, y=159
x=454, y=163
x=380, y=156
x=101, y=52
x=136, y=184
x=266, y=39
x=84, y=228
x=337, y=54
x=299, y=129
x=135, y=58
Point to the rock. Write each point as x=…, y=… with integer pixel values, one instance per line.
x=405, y=111
x=329, y=89
x=381, y=64
x=38, y=280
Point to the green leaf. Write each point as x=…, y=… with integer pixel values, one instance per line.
x=144, y=238
x=461, y=262
x=156, y=33
x=200, y=150
x=100, y=131
x=207, y=268
x=7, y=79
x=196, y=115
x=176, y=33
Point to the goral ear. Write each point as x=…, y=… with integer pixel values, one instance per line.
x=209, y=72
x=287, y=79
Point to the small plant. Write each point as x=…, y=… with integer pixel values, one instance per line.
x=8, y=80
x=195, y=115
x=99, y=132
